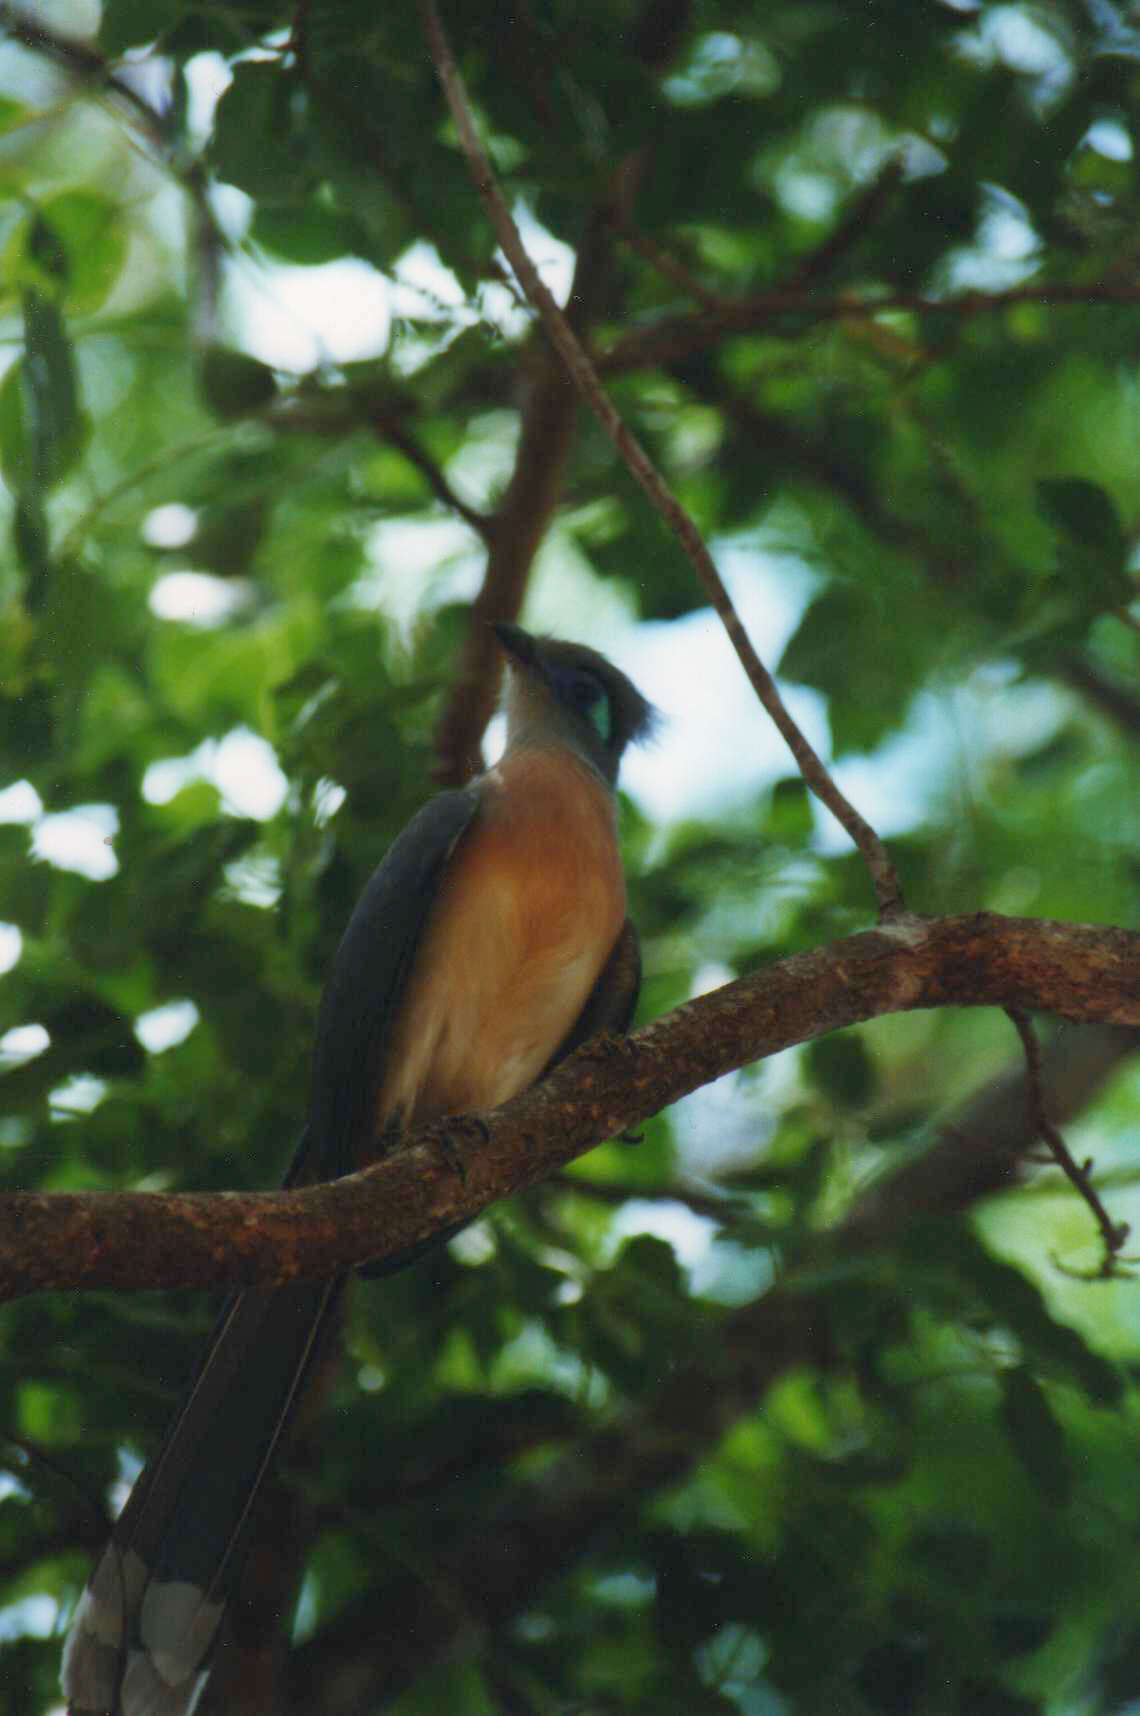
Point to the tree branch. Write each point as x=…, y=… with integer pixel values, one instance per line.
x=813, y=459
x=396, y=1630
x=141, y=1239
x=522, y=520
x=540, y=1531
x=387, y=425
x=83, y=62
x=1079, y=1175
x=860, y=217
x=516, y=532
x=1113, y=700
x=888, y=891
x=667, y=265
x=548, y=423
x=675, y=337
x=984, y=1149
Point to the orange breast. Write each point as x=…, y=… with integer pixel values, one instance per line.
x=530, y=908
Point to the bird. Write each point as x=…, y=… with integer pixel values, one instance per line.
x=491, y=941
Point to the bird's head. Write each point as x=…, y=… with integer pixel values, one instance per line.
x=565, y=691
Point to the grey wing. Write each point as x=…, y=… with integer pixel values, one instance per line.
x=146, y=1624
x=366, y=985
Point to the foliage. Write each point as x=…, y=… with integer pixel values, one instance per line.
x=948, y=491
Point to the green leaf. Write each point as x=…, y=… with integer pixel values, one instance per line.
x=1034, y=1433
x=307, y=234
x=235, y=384
x=1018, y=1303
x=952, y=1552
x=129, y=23
x=1086, y=513
x=51, y=391
x=15, y=458
x=42, y=429
x=790, y=815
x=227, y=537
x=12, y=114
x=258, y=143
x=843, y=1069
x=862, y=655
x=94, y=241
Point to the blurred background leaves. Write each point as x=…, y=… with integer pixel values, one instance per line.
x=262, y=378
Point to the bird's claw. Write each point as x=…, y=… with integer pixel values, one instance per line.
x=447, y=1135
x=610, y=1045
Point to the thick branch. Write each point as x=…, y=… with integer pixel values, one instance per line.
x=518, y=527
x=585, y=378
x=138, y=1239
x=541, y=1530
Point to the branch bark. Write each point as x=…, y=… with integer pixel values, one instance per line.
x=439, y=1180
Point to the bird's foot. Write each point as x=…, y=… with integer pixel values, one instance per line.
x=609, y=1045
x=449, y=1134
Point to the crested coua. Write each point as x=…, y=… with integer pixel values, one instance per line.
x=491, y=941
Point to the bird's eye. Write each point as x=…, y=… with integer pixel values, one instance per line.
x=588, y=696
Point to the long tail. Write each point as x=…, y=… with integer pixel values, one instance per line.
x=141, y=1637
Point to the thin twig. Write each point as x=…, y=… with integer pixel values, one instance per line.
x=859, y=219
x=723, y=1208
x=387, y=425
x=38, y=1456
x=1079, y=1174
x=883, y=876
x=678, y=336
x=549, y=413
x=1111, y=699
x=83, y=62
x=667, y=264
x=162, y=462
x=780, y=440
